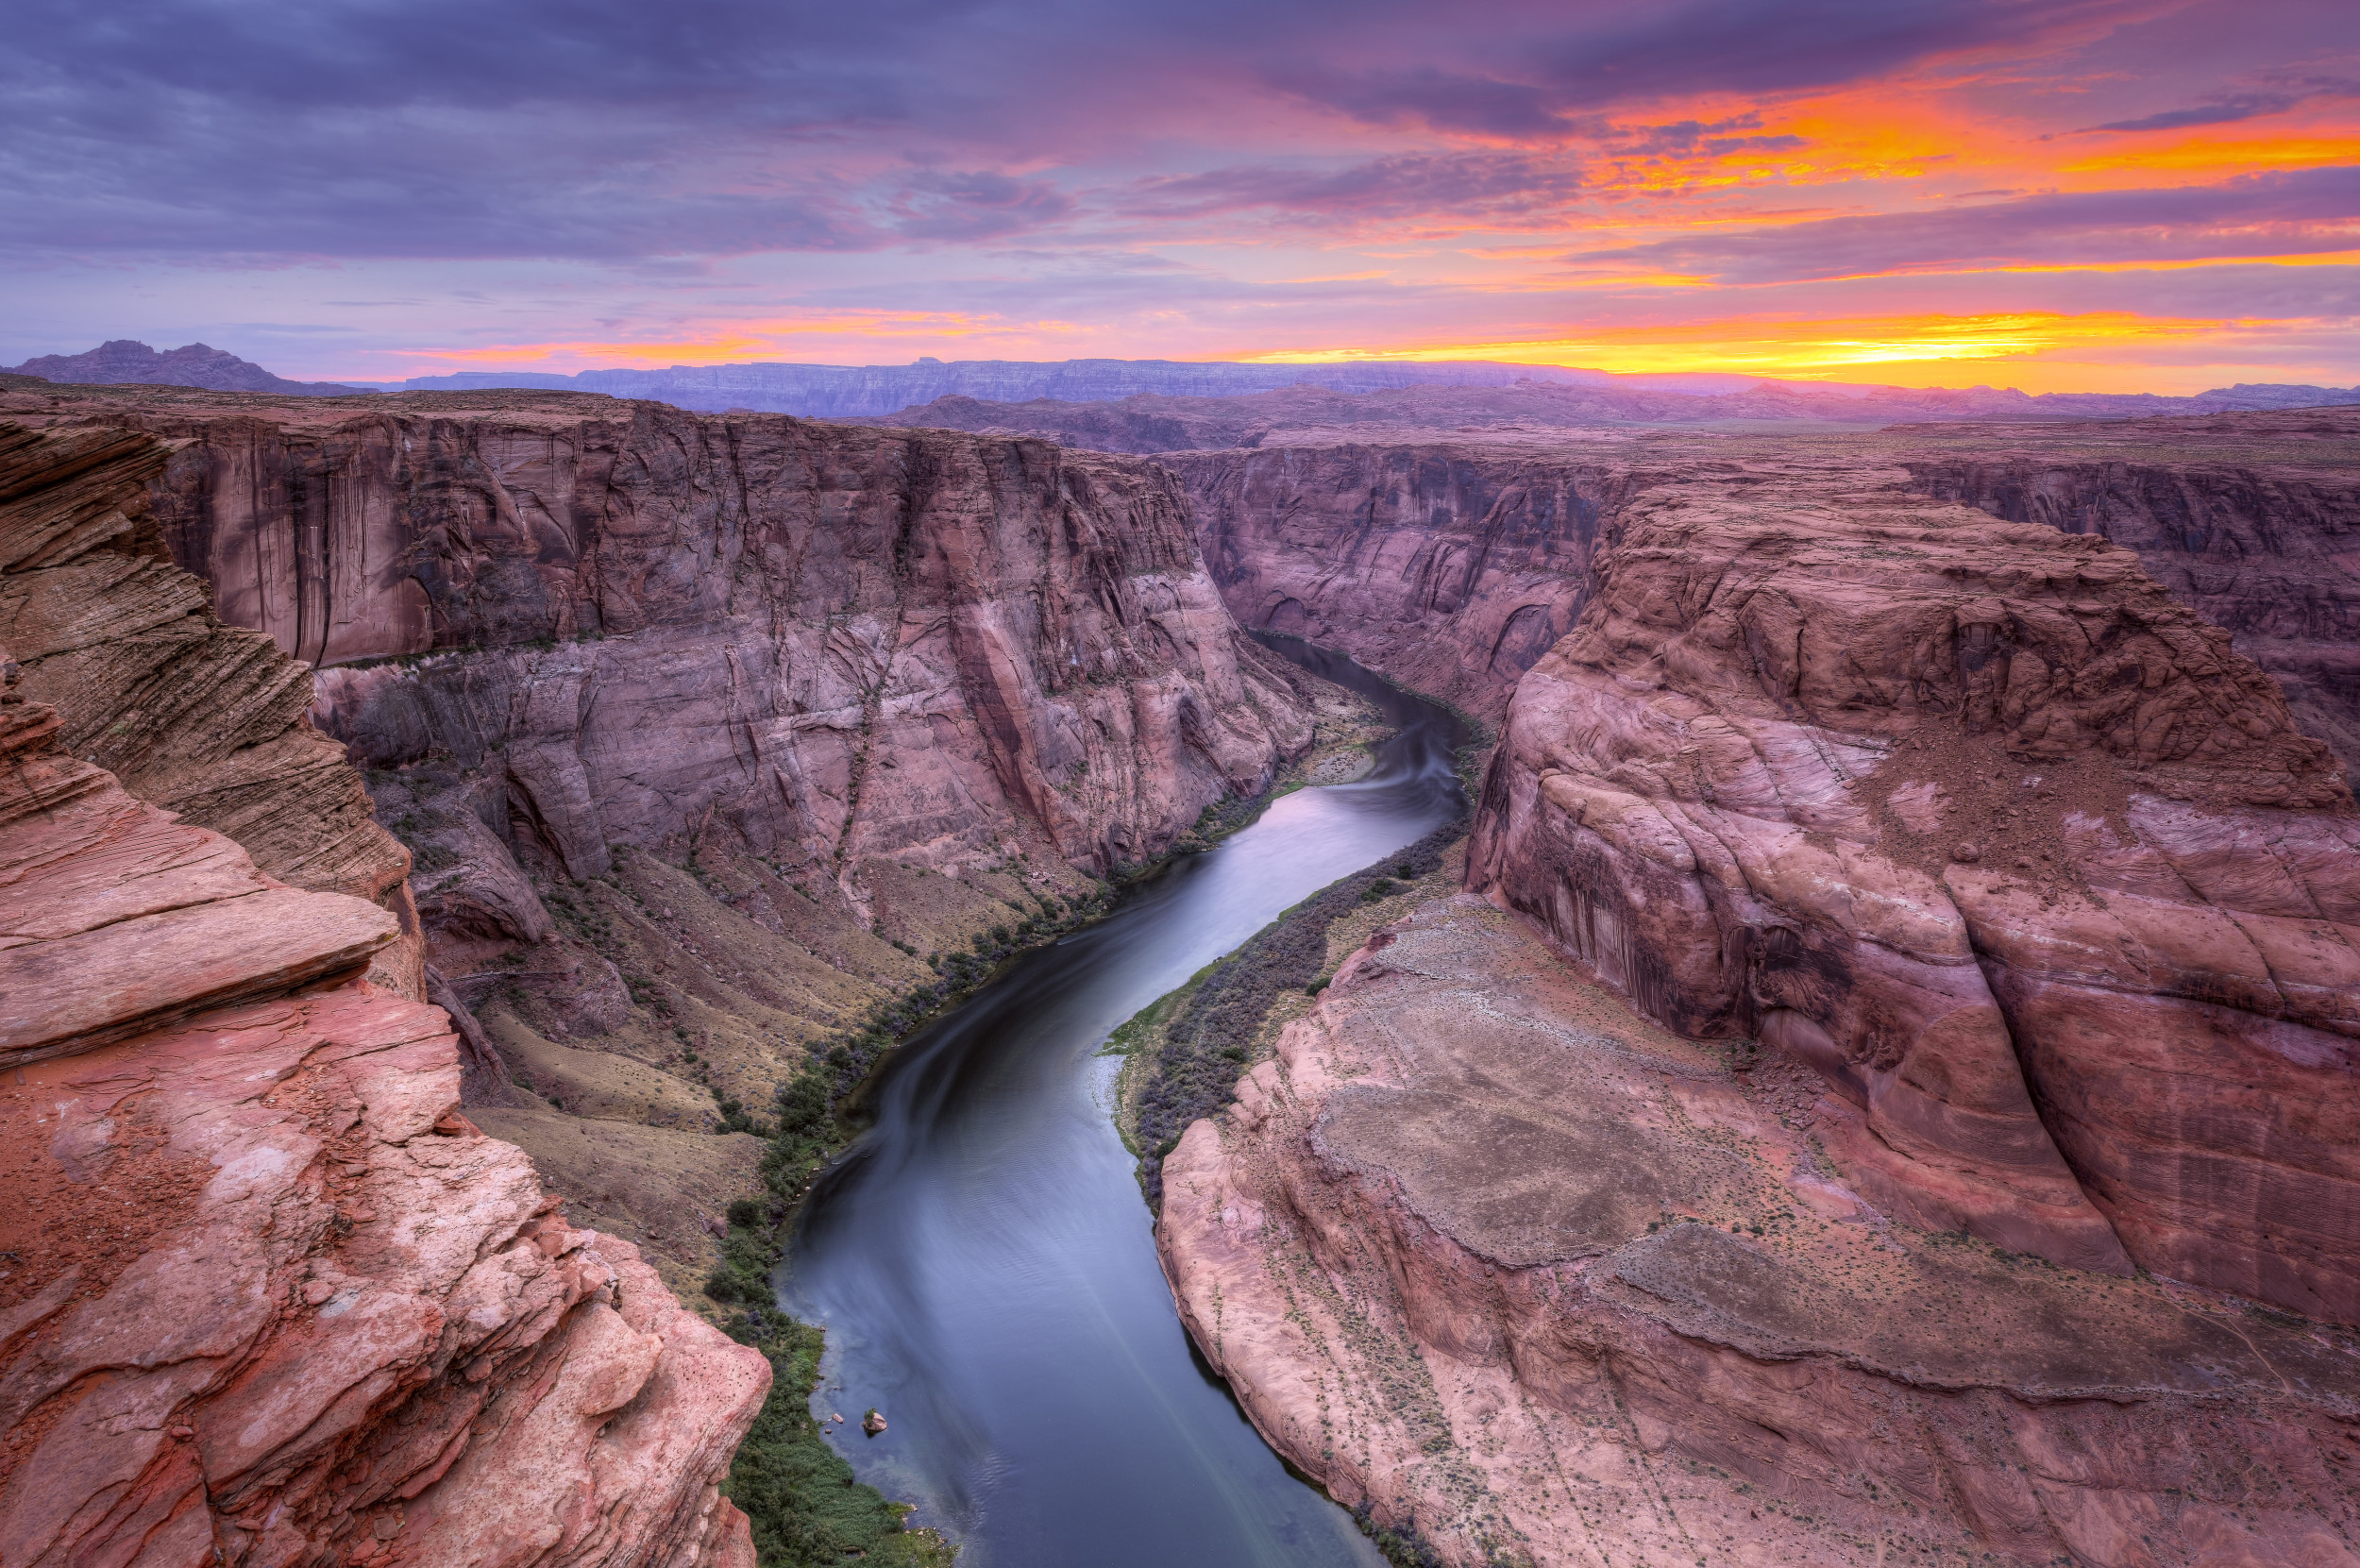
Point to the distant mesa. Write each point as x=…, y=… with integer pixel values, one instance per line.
x=987, y=394
x=123, y=361
x=1172, y=405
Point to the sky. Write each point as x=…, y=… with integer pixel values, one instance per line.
x=2067, y=195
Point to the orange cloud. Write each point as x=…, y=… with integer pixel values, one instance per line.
x=741, y=341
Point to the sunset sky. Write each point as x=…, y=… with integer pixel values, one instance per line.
x=2081, y=196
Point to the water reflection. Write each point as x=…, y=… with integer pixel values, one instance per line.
x=983, y=1260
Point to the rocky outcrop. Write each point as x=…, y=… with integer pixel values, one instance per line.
x=1536, y=1281
x=265, y=1296
x=818, y=641
x=2253, y=521
x=1978, y=822
x=205, y=721
x=1450, y=566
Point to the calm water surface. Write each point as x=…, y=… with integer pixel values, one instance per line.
x=983, y=1262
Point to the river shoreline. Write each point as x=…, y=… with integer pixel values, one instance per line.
x=977, y=1255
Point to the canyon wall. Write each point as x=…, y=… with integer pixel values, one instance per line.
x=1911, y=1109
x=822, y=643
x=1977, y=820
x=712, y=738
x=1451, y=567
x=2254, y=524
x=267, y=1297
x=1533, y=1279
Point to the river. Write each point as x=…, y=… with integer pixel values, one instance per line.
x=983, y=1262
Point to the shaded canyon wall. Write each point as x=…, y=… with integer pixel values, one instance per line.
x=267, y=1297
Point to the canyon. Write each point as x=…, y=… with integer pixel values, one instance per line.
x=677, y=794
x=1954, y=896
x=1873, y=1084
x=269, y=1296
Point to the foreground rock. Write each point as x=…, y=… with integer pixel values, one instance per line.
x=1543, y=1282
x=265, y=1296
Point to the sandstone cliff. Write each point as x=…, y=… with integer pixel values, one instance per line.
x=1453, y=561
x=1969, y=816
x=1947, y=1110
x=823, y=641
x=1536, y=1280
x=1449, y=566
x=2255, y=523
x=265, y=1296
x=710, y=734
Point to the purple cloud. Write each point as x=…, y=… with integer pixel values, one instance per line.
x=2311, y=211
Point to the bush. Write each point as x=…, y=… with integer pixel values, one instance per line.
x=1195, y=1071
x=745, y=1212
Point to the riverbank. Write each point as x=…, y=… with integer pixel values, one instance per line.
x=797, y=1489
x=1184, y=1053
x=978, y=1258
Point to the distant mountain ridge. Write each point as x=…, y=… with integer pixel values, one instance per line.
x=126, y=361
x=885, y=391
x=836, y=391
x=877, y=390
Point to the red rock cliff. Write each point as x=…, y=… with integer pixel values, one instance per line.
x=1449, y=566
x=1976, y=819
x=832, y=642
x=265, y=1296
x=1543, y=1282
x=2255, y=521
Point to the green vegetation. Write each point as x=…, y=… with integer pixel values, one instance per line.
x=806, y=1504
x=805, y=1507
x=1215, y=1019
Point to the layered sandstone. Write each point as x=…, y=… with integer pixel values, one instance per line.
x=1980, y=822
x=1529, y=1274
x=823, y=641
x=707, y=732
x=265, y=1296
x=1450, y=566
x=1914, y=1096
x=2253, y=521
x=205, y=720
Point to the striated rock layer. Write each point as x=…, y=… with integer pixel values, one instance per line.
x=265, y=1296
x=819, y=641
x=1449, y=566
x=205, y=721
x=1980, y=822
x=1914, y=1114
x=1545, y=1283
x=1417, y=554
x=2254, y=523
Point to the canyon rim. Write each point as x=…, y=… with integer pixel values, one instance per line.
x=1377, y=786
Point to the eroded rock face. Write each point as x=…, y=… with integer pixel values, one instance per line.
x=265, y=1296
x=203, y=720
x=2255, y=523
x=1451, y=567
x=1979, y=821
x=824, y=641
x=1488, y=1251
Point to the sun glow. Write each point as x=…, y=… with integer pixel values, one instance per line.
x=1773, y=347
